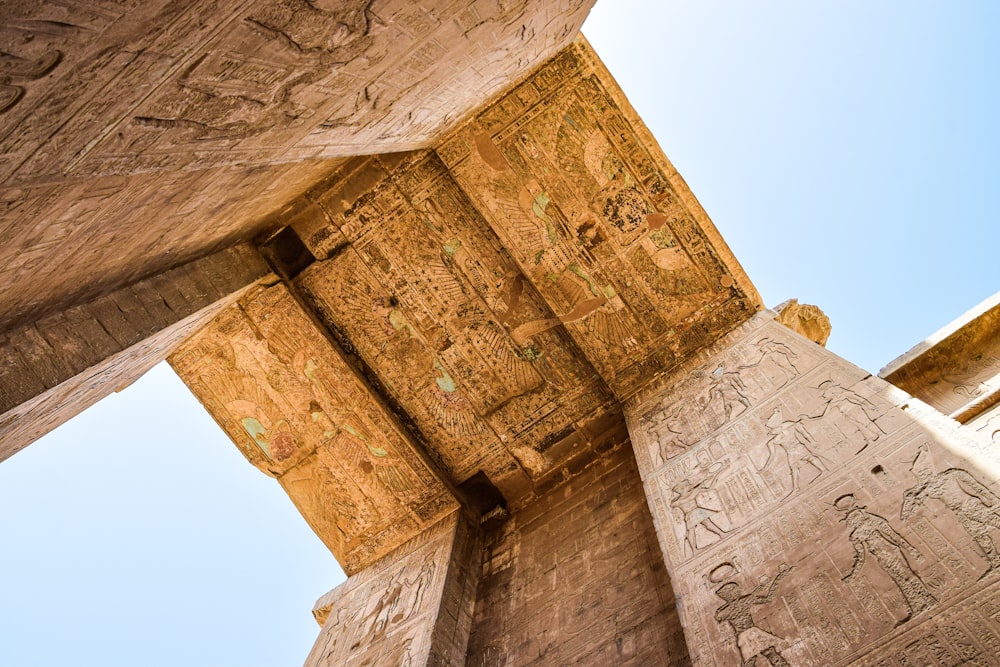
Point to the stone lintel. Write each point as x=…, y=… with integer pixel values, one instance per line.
x=957, y=369
x=56, y=367
x=284, y=393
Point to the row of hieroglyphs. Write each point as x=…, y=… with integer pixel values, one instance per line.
x=806, y=515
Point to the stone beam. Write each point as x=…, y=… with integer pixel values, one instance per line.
x=957, y=369
x=56, y=367
x=298, y=411
x=253, y=82
x=810, y=513
x=598, y=220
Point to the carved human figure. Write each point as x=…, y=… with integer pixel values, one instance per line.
x=778, y=354
x=687, y=497
x=853, y=409
x=728, y=388
x=333, y=635
x=793, y=438
x=384, y=611
x=420, y=584
x=872, y=534
x=667, y=441
x=752, y=641
x=973, y=504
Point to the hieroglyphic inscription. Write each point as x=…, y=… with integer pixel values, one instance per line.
x=598, y=221
x=422, y=289
x=297, y=411
x=886, y=512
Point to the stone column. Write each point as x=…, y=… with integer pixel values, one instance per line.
x=411, y=608
x=811, y=514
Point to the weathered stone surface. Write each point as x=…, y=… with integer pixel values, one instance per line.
x=806, y=320
x=811, y=513
x=957, y=369
x=64, y=243
x=598, y=220
x=284, y=394
x=139, y=135
x=576, y=579
x=57, y=367
x=413, y=607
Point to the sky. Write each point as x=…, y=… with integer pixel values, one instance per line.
x=849, y=152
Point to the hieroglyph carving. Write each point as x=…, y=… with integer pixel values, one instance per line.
x=424, y=292
x=385, y=614
x=752, y=640
x=871, y=533
x=809, y=473
x=229, y=95
x=598, y=222
x=17, y=67
x=970, y=501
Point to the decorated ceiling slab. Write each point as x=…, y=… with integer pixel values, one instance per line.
x=415, y=281
x=599, y=221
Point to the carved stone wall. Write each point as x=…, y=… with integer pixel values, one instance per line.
x=411, y=608
x=577, y=578
x=813, y=514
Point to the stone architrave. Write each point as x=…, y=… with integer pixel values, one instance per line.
x=811, y=514
x=411, y=608
x=957, y=369
x=61, y=364
x=296, y=409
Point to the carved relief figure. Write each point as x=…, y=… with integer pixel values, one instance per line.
x=872, y=534
x=852, y=409
x=16, y=68
x=384, y=611
x=333, y=634
x=666, y=441
x=321, y=27
x=793, y=438
x=420, y=584
x=729, y=389
x=973, y=504
x=967, y=378
x=688, y=498
x=752, y=641
x=779, y=355
x=234, y=97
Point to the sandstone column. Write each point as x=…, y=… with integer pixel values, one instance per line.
x=411, y=608
x=810, y=513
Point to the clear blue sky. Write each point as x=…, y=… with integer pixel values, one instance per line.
x=847, y=151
